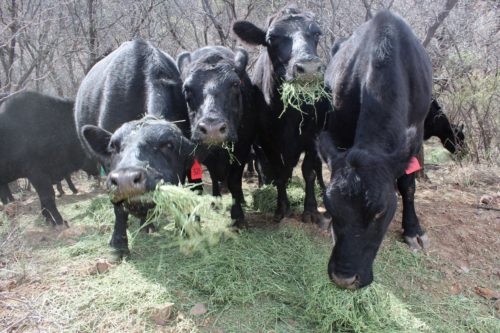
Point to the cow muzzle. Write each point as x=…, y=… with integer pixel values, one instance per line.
x=351, y=282
x=126, y=183
x=211, y=132
x=308, y=69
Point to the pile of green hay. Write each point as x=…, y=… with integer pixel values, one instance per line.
x=286, y=272
x=265, y=198
x=296, y=93
x=199, y=221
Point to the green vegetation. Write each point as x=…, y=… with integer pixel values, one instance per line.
x=296, y=93
x=269, y=278
x=264, y=198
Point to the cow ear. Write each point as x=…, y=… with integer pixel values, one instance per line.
x=249, y=33
x=241, y=60
x=326, y=148
x=97, y=140
x=183, y=60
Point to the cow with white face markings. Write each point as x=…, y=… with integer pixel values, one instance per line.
x=220, y=100
x=131, y=114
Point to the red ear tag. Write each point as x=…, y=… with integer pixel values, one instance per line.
x=196, y=170
x=413, y=166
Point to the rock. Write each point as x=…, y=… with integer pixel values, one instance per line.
x=464, y=268
x=102, y=266
x=455, y=289
x=497, y=305
x=487, y=293
x=7, y=285
x=198, y=309
x=486, y=200
x=161, y=314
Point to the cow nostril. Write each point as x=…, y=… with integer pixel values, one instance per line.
x=114, y=182
x=223, y=128
x=202, y=128
x=138, y=178
x=299, y=69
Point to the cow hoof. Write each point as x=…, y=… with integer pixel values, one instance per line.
x=418, y=242
x=317, y=218
x=240, y=224
x=148, y=229
x=117, y=254
x=61, y=226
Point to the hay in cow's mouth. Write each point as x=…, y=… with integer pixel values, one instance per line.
x=297, y=93
x=200, y=221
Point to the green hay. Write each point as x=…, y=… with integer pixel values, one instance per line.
x=264, y=198
x=294, y=94
x=286, y=268
x=199, y=221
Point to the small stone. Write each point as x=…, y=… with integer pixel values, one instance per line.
x=7, y=285
x=487, y=293
x=162, y=314
x=486, y=200
x=464, y=269
x=102, y=267
x=198, y=309
x=455, y=289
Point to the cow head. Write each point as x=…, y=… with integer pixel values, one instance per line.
x=362, y=201
x=291, y=40
x=452, y=136
x=214, y=82
x=139, y=154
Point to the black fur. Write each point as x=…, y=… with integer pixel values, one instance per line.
x=437, y=124
x=381, y=87
x=218, y=90
x=284, y=136
x=136, y=79
x=38, y=141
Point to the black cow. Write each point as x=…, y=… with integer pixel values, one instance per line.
x=219, y=96
x=290, y=43
x=437, y=124
x=38, y=141
x=381, y=81
x=134, y=80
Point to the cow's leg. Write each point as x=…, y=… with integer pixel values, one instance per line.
x=413, y=234
x=311, y=214
x=147, y=228
x=45, y=191
x=60, y=191
x=119, y=240
x=215, y=182
x=71, y=185
x=283, y=205
x=234, y=184
x=250, y=166
x=318, y=168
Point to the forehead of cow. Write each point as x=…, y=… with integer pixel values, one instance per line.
x=289, y=15
x=213, y=65
x=147, y=128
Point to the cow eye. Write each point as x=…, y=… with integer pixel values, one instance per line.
x=236, y=84
x=166, y=147
x=114, y=147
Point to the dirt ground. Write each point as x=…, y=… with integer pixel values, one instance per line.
x=464, y=233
